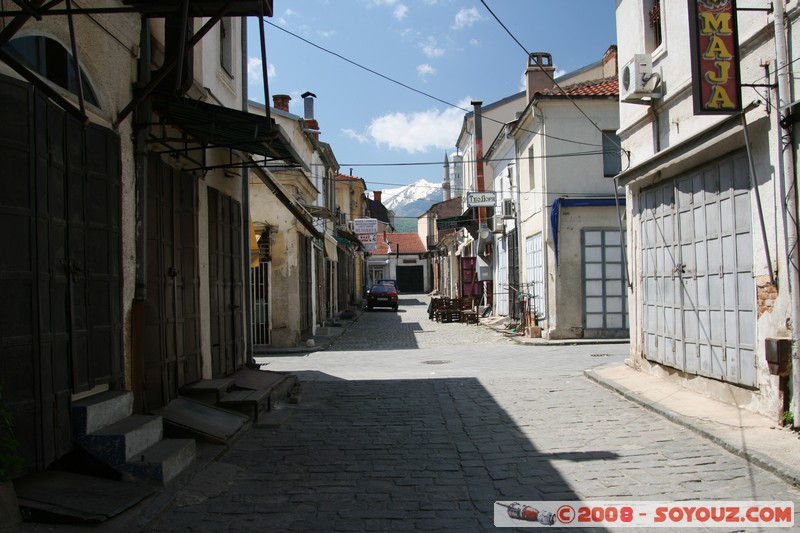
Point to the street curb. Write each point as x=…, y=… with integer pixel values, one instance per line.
x=319, y=346
x=783, y=470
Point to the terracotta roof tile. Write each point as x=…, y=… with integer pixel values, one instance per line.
x=409, y=243
x=603, y=87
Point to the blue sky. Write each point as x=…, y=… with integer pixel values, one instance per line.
x=453, y=50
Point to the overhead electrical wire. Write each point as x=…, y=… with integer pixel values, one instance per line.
x=450, y=104
x=555, y=83
x=413, y=89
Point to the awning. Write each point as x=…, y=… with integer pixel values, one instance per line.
x=558, y=203
x=715, y=141
x=213, y=125
x=203, y=8
x=318, y=211
x=348, y=237
x=330, y=249
x=280, y=193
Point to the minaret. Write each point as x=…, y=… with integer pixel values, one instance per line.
x=446, y=180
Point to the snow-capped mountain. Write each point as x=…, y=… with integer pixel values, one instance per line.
x=417, y=197
x=411, y=201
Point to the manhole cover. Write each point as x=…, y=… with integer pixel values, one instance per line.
x=436, y=362
x=601, y=355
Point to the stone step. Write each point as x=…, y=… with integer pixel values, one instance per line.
x=248, y=401
x=163, y=461
x=98, y=411
x=208, y=391
x=283, y=391
x=117, y=443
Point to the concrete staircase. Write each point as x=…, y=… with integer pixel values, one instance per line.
x=105, y=426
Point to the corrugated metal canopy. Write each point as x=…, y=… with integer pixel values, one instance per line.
x=215, y=125
x=203, y=8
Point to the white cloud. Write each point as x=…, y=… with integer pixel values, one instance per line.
x=353, y=134
x=373, y=3
x=400, y=12
x=430, y=48
x=559, y=73
x=425, y=70
x=326, y=34
x=474, y=42
x=466, y=18
x=420, y=131
x=254, y=70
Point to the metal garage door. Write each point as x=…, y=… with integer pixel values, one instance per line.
x=411, y=279
x=698, y=289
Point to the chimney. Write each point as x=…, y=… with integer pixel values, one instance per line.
x=539, y=74
x=281, y=102
x=308, y=113
x=610, y=64
x=377, y=195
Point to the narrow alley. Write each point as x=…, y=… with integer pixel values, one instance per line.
x=408, y=424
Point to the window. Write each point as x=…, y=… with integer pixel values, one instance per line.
x=52, y=61
x=226, y=45
x=652, y=24
x=612, y=162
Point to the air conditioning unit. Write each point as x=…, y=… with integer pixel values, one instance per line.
x=508, y=208
x=496, y=224
x=637, y=81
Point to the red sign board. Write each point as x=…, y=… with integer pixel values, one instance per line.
x=715, y=57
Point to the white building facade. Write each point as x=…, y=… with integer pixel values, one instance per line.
x=710, y=299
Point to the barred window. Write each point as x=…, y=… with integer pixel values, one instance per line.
x=653, y=35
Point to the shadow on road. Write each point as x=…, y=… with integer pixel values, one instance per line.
x=394, y=455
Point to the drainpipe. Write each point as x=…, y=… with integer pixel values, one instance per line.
x=141, y=119
x=784, y=99
x=518, y=219
x=141, y=130
x=246, y=228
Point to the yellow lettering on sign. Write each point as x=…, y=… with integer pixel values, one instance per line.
x=717, y=49
x=719, y=24
x=719, y=99
x=722, y=74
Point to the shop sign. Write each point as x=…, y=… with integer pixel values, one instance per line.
x=715, y=58
x=365, y=225
x=481, y=199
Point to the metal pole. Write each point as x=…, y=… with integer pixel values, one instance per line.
x=784, y=98
x=754, y=184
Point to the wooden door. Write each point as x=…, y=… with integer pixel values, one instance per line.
x=60, y=324
x=226, y=266
x=171, y=343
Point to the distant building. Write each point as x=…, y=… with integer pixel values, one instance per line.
x=401, y=256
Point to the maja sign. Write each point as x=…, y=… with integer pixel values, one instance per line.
x=365, y=225
x=481, y=199
x=715, y=57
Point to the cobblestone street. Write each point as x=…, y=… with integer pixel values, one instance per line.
x=406, y=424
